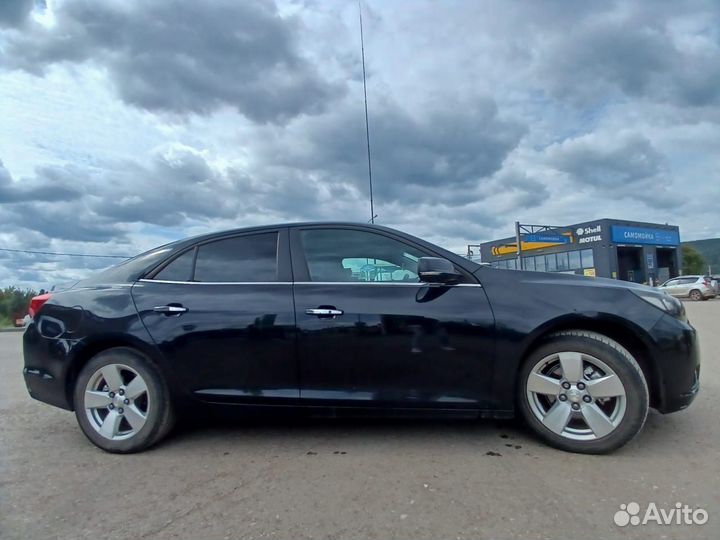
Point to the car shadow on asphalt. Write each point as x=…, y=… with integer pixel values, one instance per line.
x=491, y=437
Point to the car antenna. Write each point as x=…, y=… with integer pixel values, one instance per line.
x=367, y=124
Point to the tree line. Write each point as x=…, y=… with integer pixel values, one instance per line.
x=14, y=304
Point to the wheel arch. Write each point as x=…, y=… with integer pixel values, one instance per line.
x=630, y=336
x=89, y=348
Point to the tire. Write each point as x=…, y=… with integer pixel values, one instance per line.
x=592, y=389
x=121, y=401
x=696, y=295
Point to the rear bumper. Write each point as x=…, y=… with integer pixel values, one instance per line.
x=46, y=388
x=45, y=368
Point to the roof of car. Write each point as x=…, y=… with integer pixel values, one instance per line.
x=230, y=232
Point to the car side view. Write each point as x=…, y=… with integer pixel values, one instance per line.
x=334, y=318
x=693, y=287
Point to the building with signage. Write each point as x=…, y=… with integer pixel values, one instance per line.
x=628, y=250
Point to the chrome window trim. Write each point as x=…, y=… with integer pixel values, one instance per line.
x=399, y=283
x=147, y=280
x=396, y=283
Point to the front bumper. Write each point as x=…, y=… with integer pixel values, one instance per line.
x=678, y=364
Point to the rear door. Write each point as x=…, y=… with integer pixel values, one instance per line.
x=222, y=314
x=370, y=334
x=684, y=285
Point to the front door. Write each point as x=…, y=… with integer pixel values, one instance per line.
x=222, y=314
x=370, y=334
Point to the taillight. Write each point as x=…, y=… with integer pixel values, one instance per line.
x=36, y=303
x=707, y=282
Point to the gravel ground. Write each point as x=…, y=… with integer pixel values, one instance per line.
x=343, y=479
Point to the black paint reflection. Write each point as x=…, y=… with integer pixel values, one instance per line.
x=400, y=345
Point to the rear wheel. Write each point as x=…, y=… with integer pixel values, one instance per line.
x=696, y=295
x=583, y=392
x=121, y=402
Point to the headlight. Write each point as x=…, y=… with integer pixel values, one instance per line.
x=663, y=301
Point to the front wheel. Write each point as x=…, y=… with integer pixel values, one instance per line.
x=121, y=401
x=583, y=392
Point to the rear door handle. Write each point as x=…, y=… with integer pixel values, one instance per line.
x=324, y=312
x=170, y=309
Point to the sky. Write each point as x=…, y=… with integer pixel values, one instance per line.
x=125, y=124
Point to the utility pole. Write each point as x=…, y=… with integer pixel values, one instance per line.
x=519, y=245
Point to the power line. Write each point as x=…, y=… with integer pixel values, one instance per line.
x=367, y=123
x=64, y=254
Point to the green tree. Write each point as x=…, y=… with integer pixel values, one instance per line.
x=693, y=261
x=14, y=303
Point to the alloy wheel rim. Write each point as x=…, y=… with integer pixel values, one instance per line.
x=116, y=401
x=576, y=395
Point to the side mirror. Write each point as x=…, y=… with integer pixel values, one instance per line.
x=436, y=270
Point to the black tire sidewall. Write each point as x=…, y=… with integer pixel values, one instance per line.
x=159, y=404
x=637, y=399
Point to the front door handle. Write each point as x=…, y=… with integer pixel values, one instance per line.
x=324, y=312
x=170, y=309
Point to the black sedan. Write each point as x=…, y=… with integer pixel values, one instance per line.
x=332, y=318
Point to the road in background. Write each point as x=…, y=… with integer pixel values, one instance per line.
x=342, y=479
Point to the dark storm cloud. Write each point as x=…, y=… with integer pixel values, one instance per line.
x=438, y=154
x=607, y=162
x=183, y=57
x=51, y=184
x=635, y=52
x=70, y=221
x=174, y=186
x=15, y=12
x=616, y=166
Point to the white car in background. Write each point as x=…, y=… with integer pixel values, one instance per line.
x=693, y=287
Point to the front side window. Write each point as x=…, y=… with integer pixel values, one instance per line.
x=242, y=258
x=351, y=255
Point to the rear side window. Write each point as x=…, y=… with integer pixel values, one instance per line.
x=243, y=258
x=179, y=269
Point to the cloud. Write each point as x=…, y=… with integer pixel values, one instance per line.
x=607, y=161
x=618, y=165
x=13, y=13
x=634, y=52
x=53, y=184
x=183, y=57
x=442, y=152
